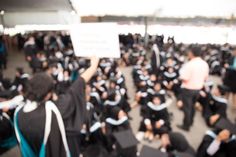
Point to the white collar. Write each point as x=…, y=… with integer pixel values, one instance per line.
x=113, y=103
x=116, y=122
x=157, y=108
x=170, y=75
x=30, y=106
x=220, y=99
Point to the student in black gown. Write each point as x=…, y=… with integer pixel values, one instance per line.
x=92, y=130
x=217, y=143
x=216, y=105
x=116, y=121
x=30, y=118
x=155, y=119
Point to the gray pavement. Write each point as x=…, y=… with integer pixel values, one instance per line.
x=194, y=136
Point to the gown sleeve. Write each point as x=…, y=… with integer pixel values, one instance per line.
x=202, y=150
x=72, y=106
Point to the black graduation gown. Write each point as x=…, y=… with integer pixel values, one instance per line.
x=6, y=132
x=214, y=106
x=154, y=116
x=155, y=68
x=91, y=136
x=225, y=150
x=72, y=108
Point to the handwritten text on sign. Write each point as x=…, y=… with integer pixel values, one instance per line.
x=95, y=39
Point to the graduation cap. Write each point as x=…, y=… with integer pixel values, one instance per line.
x=223, y=123
x=223, y=89
x=95, y=151
x=151, y=152
x=126, y=139
x=178, y=141
x=183, y=154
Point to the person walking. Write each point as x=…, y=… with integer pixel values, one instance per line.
x=193, y=75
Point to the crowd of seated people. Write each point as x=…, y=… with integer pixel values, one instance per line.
x=155, y=78
x=107, y=105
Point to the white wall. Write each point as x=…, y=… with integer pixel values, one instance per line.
x=24, y=18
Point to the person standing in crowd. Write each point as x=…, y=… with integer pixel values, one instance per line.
x=193, y=75
x=3, y=54
x=51, y=128
x=230, y=75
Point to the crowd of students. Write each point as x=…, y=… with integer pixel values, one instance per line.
x=71, y=106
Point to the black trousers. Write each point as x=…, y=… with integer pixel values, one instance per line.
x=189, y=98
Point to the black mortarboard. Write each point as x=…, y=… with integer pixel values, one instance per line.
x=178, y=141
x=126, y=139
x=95, y=151
x=223, y=123
x=151, y=152
x=223, y=89
x=183, y=154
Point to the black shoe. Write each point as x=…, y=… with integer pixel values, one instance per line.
x=182, y=127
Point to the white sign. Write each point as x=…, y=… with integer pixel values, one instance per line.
x=95, y=39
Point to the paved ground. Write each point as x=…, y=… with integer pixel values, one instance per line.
x=194, y=136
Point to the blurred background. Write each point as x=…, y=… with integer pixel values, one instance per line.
x=189, y=21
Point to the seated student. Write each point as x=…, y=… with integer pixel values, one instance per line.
x=170, y=80
x=115, y=126
x=46, y=129
x=6, y=90
x=115, y=120
x=157, y=89
x=119, y=92
x=216, y=105
x=9, y=89
x=217, y=143
x=205, y=95
x=92, y=130
x=141, y=74
x=155, y=119
x=20, y=79
x=215, y=64
x=141, y=96
x=176, y=142
x=38, y=62
x=99, y=84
